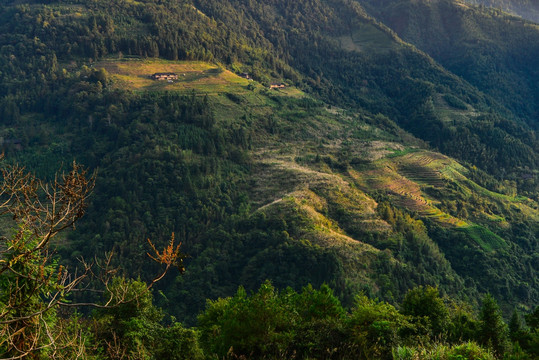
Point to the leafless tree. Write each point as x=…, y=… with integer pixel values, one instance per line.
x=33, y=287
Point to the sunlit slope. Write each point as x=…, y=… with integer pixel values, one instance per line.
x=431, y=186
x=344, y=183
x=331, y=168
x=329, y=184
x=135, y=74
x=332, y=49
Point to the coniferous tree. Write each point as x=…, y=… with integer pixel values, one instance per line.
x=515, y=327
x=493, y=330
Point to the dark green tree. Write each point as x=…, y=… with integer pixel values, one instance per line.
x=375, y=328
x=516, y=332
x=464, y=325
x=248, y=326
x=134, y=329
x=532, y=319
x=493, y=330
x=425, y=304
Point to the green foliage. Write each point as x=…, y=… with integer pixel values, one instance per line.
x=532, y=319
x=133, y=326
x=178, y=343
x=484, y=237
x=135, y=329
x=252, y=328
x=461, y=251
x=189, y=164
x=466, y=351
x=493, y=330
x=312, y=325
x=516, y=331
x=425, y=303
x=533, y=343
x=376, y=327
x=463, y=325
x=321, y=329
x=272, y=325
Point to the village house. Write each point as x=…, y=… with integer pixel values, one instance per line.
x=165, y=76
x=277, y=86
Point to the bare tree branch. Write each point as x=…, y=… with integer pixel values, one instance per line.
x=33, y=286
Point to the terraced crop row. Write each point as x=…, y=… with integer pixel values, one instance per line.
x=422, y=175
x=402, y=180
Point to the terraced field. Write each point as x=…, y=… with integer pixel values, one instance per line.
x=402, y=179
x=368, y=37
x=484, y=237
x=403, y=174
x=135, y=74
x=420, y=172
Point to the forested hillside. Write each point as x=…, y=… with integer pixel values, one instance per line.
x=528, y=9
x=466, y=40
x=396, y=155
x=359, y=62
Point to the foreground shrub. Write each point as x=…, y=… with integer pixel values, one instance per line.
x=466, y=351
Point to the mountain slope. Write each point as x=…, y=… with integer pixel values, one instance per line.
x=524, y=8
x=344, y=56
x=467, y=41
x=290, y=190
x=327, y=180
x=382, y=74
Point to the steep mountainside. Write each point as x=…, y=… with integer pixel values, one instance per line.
x=348, y=175
x=469, y=42
x=528, y=9
x=352, y=59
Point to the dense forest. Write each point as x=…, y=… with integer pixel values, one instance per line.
x=382, y=204
x=525, y=8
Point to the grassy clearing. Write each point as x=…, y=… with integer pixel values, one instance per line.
x=288, y=92
x=443, y=218
x=233, y=97
x=484, y=237
x=368, y=37
x=451, y=114
x=193, y=75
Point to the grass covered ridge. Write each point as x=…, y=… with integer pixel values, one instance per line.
x=135, y=74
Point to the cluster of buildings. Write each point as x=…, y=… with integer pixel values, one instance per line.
x=173, y=76
x=165, y=76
